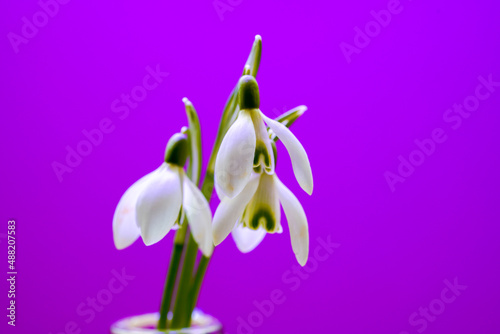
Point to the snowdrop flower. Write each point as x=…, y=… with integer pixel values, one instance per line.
x=255, y=211
x=246, y=147
x=157, y=203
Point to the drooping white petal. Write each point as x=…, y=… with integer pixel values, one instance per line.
x=298, y=155
x=125, y=229
x=263, y=149
x=230, y=210
x=297, y=222
x=234, y=162
x=247, y=239
x=159, y=204
x=198, y=215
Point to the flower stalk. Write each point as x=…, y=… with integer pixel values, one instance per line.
x=171, y=279
x=180, y=317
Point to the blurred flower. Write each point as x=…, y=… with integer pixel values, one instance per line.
x=255, y=211
x=157, y=203
x=246, y=147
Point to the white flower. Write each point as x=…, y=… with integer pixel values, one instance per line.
x=255, y=211
x=152, y=206
x=247, y=147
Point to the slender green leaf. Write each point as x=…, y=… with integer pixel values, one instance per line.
x=253, y=60
x=194, y=169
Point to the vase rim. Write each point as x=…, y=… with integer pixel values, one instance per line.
x=202, y=323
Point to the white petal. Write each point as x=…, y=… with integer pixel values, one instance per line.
x=219, y=192
x=198, y=215
x=247, y=239
x=234, y=162
x=300, y=161
x=125, y=229
x=159, y=204
x=230, y=210
x=297, y=222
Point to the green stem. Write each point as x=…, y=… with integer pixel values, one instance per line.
x=169, y=286
x=170, y=282
x=180, y=317
x=198, y=279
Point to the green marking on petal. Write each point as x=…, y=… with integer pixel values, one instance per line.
x=263, y=147
x=263, y=217
x=254, y=224
x=263, y=209
x=270, y=224
x=269, y=168
x=261, y=155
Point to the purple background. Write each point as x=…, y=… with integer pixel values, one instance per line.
x=396, y=247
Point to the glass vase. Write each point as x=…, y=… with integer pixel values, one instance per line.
x=201, y=323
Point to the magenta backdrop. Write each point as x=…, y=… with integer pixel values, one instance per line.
x=401, y=131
